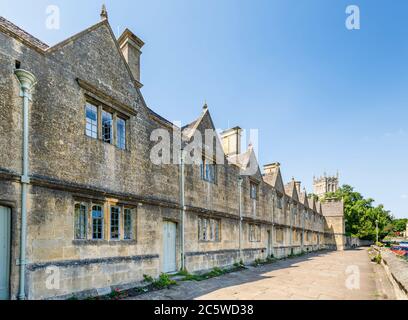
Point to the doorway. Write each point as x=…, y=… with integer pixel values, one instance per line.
x=169, y=247
x=5, y=217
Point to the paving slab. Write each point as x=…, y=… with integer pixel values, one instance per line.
x=328, y=275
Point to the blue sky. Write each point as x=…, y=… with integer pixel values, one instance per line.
x=324, y=98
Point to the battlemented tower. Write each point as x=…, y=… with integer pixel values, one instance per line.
x=324, y=184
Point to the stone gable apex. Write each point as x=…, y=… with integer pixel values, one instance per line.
x=104, y=23
x=290, y=190
x=304, y=199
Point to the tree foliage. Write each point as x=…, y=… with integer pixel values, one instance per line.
x=396, y=227
x=361, y=214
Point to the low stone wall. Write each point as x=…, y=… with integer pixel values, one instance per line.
x=397, y=271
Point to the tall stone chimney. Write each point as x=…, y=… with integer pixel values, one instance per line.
x=270, y=171
x=231, y=141
x=298, y=185
x=131, y=47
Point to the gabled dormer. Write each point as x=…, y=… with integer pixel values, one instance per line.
x=291, y=191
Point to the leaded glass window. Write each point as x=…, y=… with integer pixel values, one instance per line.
x=254, y=190
x=114, y=220
x=91, y=120
x=121, y=133
x=97, y=223
x=208, y=171
x=107, y=127
x=80, y=222
x=127, y=224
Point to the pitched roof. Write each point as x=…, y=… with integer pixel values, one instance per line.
x=241, y=160
x=290, y=190
x=190, y=129
x=303, y=199
x=312, y=203
x=21, y=34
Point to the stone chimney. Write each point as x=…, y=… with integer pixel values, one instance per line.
x=131, y=47
x=271, y=168
x=298, y=185
x=231, y=141
x=270, y=172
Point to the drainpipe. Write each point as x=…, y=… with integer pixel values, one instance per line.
x=303, y=230
x=240, y=217
x=273, y=224
x=27, y=82
x=183, y=208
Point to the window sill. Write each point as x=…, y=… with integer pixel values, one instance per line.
x=103, y=242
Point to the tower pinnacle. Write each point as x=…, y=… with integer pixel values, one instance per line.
x=104, y=13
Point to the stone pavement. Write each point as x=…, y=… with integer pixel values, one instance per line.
x=316, y=276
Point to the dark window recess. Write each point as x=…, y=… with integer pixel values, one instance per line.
x=18, y=64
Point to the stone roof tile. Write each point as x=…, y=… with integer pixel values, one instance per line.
x=4, y=23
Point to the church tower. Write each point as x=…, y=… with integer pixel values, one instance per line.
x=322, y=185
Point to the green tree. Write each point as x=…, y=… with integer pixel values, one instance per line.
x=395, y=227
x=361, y=214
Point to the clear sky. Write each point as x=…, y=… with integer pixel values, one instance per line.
x=324, y=98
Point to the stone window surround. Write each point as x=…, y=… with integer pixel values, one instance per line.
x=253, y=183
x=105, y=102
x=106, y=210
x=280, y=235
x=254, y=232
x=208, y=225
x=102, y=108
x=203, y=167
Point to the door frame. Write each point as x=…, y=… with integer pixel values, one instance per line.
x=176, y=223
x=9, y=205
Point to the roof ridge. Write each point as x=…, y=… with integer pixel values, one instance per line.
x=22, y=34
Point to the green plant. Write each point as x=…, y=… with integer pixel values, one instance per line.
x=164, y=281
x=377, y=258
x=147, y=278
x=116, y=294
x=257, y=262
x=183, y=273
x=379, y=244
x=216, y=272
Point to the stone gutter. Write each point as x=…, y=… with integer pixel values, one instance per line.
x=397, y=272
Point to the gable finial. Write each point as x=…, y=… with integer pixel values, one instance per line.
x=205, y=107
x=104, y=13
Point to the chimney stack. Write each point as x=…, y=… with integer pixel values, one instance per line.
x=271, y=168
x=298, y=185
x=131, y=47
x=231, y=141
x=270, y=171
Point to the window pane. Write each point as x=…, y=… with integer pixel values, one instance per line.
x=128, y=234
x=121, y=133
x=91, y=121
x=107, y=130
x=80, y=222
x=115, y=211
x=97, y=223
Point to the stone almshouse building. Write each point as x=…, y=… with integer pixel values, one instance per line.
x=96, y=207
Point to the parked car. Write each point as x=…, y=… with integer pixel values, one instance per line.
x=403, y=244
x=400, y=250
